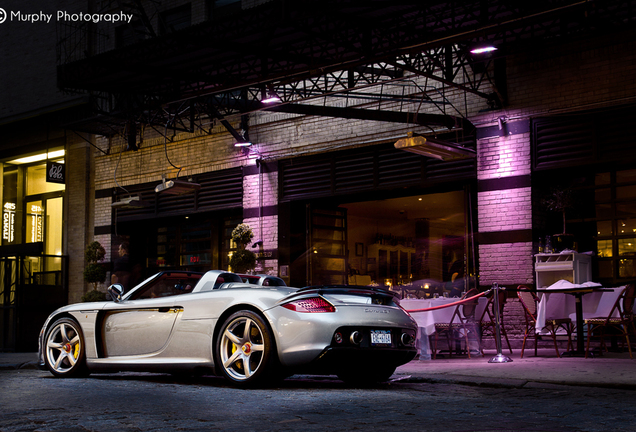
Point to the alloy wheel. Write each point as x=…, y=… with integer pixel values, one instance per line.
x=243, y=346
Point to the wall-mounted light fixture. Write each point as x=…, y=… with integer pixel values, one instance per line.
x=434, y=148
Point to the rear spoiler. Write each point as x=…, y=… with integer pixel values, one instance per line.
x=365, y=290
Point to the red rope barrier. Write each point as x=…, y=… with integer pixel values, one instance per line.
x=458, y=302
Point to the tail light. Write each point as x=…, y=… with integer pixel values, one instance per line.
x=310, y=305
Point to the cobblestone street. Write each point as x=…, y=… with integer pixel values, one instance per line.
x=33, y=400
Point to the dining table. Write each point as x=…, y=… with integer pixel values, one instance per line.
x=426, y=319
x=564, y=299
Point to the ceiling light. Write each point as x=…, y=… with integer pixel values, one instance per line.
x=242, y=144
x=176, y=187
x=483, y=49
x=270, y=97
x=38, y=157
x=434, y=148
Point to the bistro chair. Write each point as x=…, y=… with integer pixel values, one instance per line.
x=620, y=318
x=461, y=325
x=529, y=302
x=487, y=321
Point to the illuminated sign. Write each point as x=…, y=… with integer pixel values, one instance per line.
x=196, y=259
x=36, y=223
x=8, y=222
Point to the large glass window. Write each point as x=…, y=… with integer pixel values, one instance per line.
x=416, y=245
x=614, y=219
x=32, y=207
x=36, y=181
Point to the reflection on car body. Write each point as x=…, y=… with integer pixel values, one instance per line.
x=250, y=329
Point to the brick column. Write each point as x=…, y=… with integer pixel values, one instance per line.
x=504, y=210
x=260, y=212
x=79, y=212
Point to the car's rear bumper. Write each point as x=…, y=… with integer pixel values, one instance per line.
x=347, y=351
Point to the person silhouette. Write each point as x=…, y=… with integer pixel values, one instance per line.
x=121, y=267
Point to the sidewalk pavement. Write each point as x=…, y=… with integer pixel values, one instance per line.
x=611, y=370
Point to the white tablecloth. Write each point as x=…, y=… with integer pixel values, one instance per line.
x=562, y=305
x=426, y=320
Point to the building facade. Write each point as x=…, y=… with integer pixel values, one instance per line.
x=328, y=195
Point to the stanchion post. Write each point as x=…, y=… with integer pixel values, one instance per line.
x=499, y=358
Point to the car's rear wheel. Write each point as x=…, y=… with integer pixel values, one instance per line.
x=64, y=351
x=246, y=349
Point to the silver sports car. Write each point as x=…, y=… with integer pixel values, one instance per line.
x=250, y=333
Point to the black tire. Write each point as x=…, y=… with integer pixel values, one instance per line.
x=245, y=350
x=361, y=376
x=64, y=349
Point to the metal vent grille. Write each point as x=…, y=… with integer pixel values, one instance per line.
x=354, y=173
x=377, y=168
x=306, y=177
x=585, y=138
x=399, y=168
x=220, y=190
x=563, y=142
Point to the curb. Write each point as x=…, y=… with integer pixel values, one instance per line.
x=504, y=382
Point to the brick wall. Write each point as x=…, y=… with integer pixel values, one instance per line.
x=260, y=192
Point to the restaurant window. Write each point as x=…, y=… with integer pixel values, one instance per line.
x=186, y=245
x=614, y=218
x=415, y=245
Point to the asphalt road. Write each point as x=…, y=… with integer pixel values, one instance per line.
x=33, y=400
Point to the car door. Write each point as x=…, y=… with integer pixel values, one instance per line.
x=138, y=327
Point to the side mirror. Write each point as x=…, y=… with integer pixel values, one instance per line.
x=116, y=291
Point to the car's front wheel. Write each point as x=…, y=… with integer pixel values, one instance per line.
x=64, y=350
x=246, y=349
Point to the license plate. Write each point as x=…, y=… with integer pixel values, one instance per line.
x=380, y=337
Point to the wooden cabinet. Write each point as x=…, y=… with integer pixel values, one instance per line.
x=390, y=262
x=573, y=267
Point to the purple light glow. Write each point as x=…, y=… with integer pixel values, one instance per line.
x=271, y=100
x=484, y=49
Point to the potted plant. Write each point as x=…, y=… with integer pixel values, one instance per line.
x=94, y=272
x=559, y=200
x=242, y=260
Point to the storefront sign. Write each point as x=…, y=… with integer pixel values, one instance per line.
x=36, y=223
x=55, y=172
x=266, y=254
x=8, y=222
